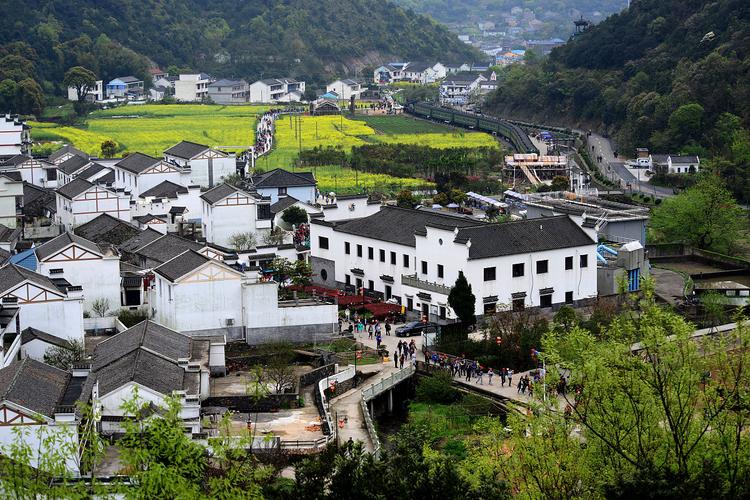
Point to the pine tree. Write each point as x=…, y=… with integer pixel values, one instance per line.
x=462, y=300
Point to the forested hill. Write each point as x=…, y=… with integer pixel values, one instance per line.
x=313, y=39
x=671, y=75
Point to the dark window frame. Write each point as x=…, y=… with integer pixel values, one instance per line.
x=584, y=260
x=542, y=266
x=519, y=270
x=490, y=273
x=569, y=263
x=323, y=242
x=440, y=271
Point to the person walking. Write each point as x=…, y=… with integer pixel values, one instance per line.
x=510, y=377
x=387, y=328
x=401, y=359
x=490, y=373
x=502, y=377
x=395, y=359
x=520, y=384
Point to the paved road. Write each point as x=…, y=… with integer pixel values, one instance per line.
x=615, y=170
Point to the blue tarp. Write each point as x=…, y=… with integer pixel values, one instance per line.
x=26, y=259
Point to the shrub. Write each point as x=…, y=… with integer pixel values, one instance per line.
x=131, y=318
x=437, y=389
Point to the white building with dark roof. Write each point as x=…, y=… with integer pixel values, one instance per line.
x=11, y=190
x=15, y=136
x=64, y=153
x=278, y=183
x=274, y=90
x=38, y=407
x=78, y=261
x=175, y=202
x=205, y=166
x=228, y=210
x=414, y=256
x=677, y=164
x=227, y=91
x=192, y=87
x=33, y=170
x=157, y=362
x=139, y=172
x=345, y=88
x=80, y=201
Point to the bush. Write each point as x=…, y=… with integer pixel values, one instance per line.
x=437, y=389
x=131, y=318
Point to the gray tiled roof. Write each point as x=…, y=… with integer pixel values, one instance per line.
x=107, y=229
x=140, y=240
x=684, y=159
x=64, y=150
x=283, y=203
x=73, y=164
x=92, y=170
x=137, y=162
x=33, y=385
x=56, y=244
x=147, y=354
x=225, y=82
x=167, y=247
x=181, y=265
x=74, y=188
x=15, y=160
x=166, y=189
x=523, y=236
x=144, y=219
x=30, y=334
x=220, y=192
x=12, y=275
x=283, y=178
x=398, y=225
x=186, y=150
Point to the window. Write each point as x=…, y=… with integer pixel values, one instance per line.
x=324, y=275
x=393, y=258
x=359, y=250
x=348, y=279
x=264, y=211
x=323, y=242
x=440, y=270
x=282, y=191
x=489, y=274
x=545, y=300
x=370, y=253
x=347, y=248
x=424, y=267
x=584, y=261
x=406, y=260
x=568, y=297
x=568, y=263
x=518, y=270
x=541, y=266
x=370, y=285
x=382, y=255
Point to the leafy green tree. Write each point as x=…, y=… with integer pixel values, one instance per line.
x=294, y=215
x=686, y=123
x=462, y=300
x=243, y=241
x=405, y=199
x=8, y=89
x=108, y=148
x=81, y=79
x=705, y=216
x=29, y=97
x=560, y=183
x=64, y=357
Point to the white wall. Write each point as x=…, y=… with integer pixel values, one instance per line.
x=62, y=438
x=302, y=193
x=90, y=204
x=350, y=209
x=62, y=318
x=262, y=309
x=99, y=278
x=8, y=191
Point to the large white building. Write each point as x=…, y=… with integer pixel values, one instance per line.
x=207, y=166
x=95, y=268
x=15, y=136
x=192, y=87
x=96, y=94
x=10, y=191
x=414, y=256
x=278, y=183
x=274, y=90
x=345, y=88
x=198, y=295
x=35, y=171
x=228, y=210
x=226, y=91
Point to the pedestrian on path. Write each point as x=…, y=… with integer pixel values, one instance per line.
x=502, y=377
x=395, y=359
x=520, y=384
x=510, y=377
x=489, y=376
x=480, y=375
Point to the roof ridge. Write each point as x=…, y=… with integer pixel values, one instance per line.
x=15, y=377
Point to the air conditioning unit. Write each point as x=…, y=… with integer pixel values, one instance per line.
x=229, y=322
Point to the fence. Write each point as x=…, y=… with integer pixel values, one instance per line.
x=320, y=396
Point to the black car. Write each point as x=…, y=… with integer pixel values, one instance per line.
x=415, y=328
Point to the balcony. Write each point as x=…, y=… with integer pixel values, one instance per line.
x=412, y=281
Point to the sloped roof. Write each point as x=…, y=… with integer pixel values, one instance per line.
x=107, y=229
x=140, y=240
x=165, y=189
x=167, y=247
x=15, y=160
x=74, y=188
x=225, y=82
x=65, y=150
x=30, y=334
x=73, y=164
x=684, y=159
x=9, y=234
x=283, y=203
x=221, y=191
x=92, y=170
x=12, y=275
x=523, y=237
x=33, y=385
x=181, y=265
x=56, y=244
x=137, y=162
x=144, y=219
x=283, y=178
x=186, y=150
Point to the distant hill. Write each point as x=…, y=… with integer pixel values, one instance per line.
x=233, y=38
x=549, y=18
x=671, y=75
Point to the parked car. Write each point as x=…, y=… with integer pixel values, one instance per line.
x=415, y=328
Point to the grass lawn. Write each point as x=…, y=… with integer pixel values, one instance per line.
x=152, y=128
x=403, y=124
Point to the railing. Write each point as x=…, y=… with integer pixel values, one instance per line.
x=322, y=386
x=375, y=390
x=413, y=281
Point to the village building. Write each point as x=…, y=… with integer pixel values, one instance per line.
x=64, y=153
x=80, y=201
x=192, y=87
x=139, y=172
x=206, y=166
x=169, y=201
x=15, y=136
x=95, y=94
x=228, y=211
x=11, y=192
x=33, y=170
x=274, y=90
x=345, y=89
x=414, y=256
x=226, y=91
x=125, y=87
x=278, y=183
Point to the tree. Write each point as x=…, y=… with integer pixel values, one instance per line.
x=280, y=369
x=462, y=300
x=100, y=307
x=705, y=216
x=560, y=183
x=457, y=196
x=243, y=241
x=405, y=199
x=108, y=148
x=64, y=357
x=29, y=97
x=440, y=199
x=275, y=236
x=81, y=79
x=294, y=215
x=686, y=123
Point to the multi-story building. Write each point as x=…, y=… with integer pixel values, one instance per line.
x=228, y=210
x=15, y=136
x=125, y=87
x=278, y=183
x=192, y=87
x=345, y=89
x=273, y=90
x=414, y=256
x=96, y=94
x=205, y=166
x=226, y=91
x=80, y=201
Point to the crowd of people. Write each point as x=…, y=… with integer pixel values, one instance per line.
x=264, y=133
x=405, y=351
x=467, y=369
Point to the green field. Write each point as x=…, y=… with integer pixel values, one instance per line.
x=152, y=128
x=403, y=124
